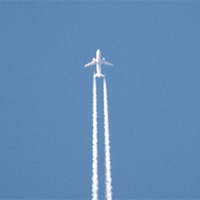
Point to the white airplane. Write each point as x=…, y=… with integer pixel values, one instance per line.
x=98, y=62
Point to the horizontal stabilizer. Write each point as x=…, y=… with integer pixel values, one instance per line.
x=98, y=75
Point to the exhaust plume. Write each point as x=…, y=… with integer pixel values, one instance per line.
x=107, y=145
x=94, y=145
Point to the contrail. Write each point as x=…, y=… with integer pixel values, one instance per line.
x=107, y=145
x=94, y=145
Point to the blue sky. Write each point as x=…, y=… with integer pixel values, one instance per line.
x=46, y=98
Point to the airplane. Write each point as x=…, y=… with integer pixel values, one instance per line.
x=98, y=62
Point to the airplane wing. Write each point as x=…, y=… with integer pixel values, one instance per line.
x=107, y=63
x=90, y=64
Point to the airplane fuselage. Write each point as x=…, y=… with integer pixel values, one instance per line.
x=98, y=63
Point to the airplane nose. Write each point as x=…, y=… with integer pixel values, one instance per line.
x=98, y=53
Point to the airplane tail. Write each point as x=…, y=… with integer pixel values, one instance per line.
x=98, y=75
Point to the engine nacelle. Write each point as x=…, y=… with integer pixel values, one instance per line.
x=94, y=59
x=104, y=59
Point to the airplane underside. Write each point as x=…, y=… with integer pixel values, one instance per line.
x=98, y=62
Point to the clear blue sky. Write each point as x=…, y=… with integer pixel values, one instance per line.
x=46, y=98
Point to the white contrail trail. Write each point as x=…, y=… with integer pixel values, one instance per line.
x=107, y=145
x=94, y=145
